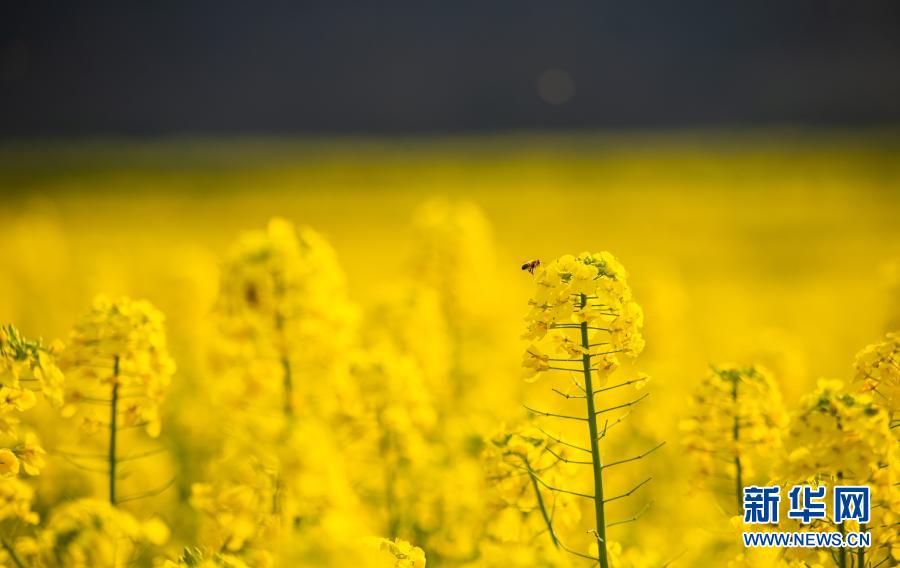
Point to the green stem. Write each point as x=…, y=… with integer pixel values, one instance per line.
x=113, y=431
x=540, y=500
x=861, y=557
x=735, y=432
x=599, y=513
x=12, y=555
x=288, y=386
x=287, y=375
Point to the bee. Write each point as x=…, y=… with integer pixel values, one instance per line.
x=531, y=265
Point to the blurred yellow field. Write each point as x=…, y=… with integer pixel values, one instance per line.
x=345, y=321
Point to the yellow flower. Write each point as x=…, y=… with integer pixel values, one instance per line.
x=583, y=305
x=398, y=553
x=30, y=362
x=16, y=399
x=840, y=437
x=85, y=533
x=510, y=457
x=155, y=531
x=31, y=454
x=533, y=363
x=15, y=500
x=282, y=314
x=878, y=368
x=9, y=463
x=118, y=354
x=238, y=507
x=734, y=423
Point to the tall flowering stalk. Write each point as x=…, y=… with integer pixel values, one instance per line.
x=118, y=371
x=282, y=312
x=27, y=367
x=393, y=423
x=285, y=327
x=582, y=319
x=735, y=414
x=838, y=437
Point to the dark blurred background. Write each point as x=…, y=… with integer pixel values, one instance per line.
x=174, y=66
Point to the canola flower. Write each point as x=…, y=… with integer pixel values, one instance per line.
x=284, y=329
x=394, y=424
x=733, y=424
x=735, y=419
x=582, y=319
x=877, y=369
x=838, y=437
x=282, y=311
x=193, y=557
x=426, y=480
x=427, y=342
x=268, y=503
x=26, y=367
x=389, y=427
x=118, y=371
x=238, y=508
x=397, y=553
x=519, y=462
x=443, y=319
x=86, y=533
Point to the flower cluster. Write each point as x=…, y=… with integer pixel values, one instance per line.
x=271, y=497
x=330, y=423
x=26, y=367
x=841, y=437
x=283, y=318
x=583, y=316
x=878, y=368
x=239, y=508
x=284, y=330
x=522, y=464
x=587, y=295
x=837, y=434
x=117, y=356
x=283, y=286
x=735, y=420
x=392, y=425
x=397, y=553
x=197, y=558
x=85, y=533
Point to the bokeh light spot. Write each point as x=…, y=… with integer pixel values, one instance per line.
x=555, y=86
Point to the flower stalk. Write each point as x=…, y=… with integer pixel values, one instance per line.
x=288, y=386
x=582, y=319
x=123, y=396
x=596, y=461
x=736, y=435
x=11, y=552
x=113, y=431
